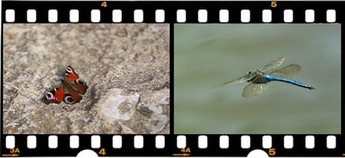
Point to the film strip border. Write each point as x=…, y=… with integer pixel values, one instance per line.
x=179, y=145
x=173, y=12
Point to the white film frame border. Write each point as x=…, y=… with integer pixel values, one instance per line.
x=225, y=15
x=138, y=141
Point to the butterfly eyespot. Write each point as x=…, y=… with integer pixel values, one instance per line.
x=69, y=69
x=69, y=100
x=49, y=96
x=79, y=81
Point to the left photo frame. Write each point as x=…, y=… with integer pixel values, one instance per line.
x=125, y=67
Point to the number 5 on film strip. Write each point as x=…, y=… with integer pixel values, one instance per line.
x=163, y=78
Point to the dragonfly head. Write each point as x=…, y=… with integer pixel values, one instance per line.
x=250, y=74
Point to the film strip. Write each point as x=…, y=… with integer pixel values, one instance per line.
x=152, y=122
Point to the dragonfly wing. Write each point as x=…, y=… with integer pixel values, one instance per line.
x=238, y=80
x=273, y=64
x=253, y=89
x=286, y=72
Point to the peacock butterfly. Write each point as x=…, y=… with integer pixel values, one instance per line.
x=69, y=91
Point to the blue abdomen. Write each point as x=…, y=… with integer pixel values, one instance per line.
x=296, y=83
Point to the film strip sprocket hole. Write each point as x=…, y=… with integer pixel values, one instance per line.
x=174, y=14
x=160, y=142
x=95, y=15
x=181, y=143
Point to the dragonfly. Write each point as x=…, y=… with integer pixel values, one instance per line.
x=259, y=78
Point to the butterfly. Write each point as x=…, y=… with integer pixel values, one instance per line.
x=69, y=91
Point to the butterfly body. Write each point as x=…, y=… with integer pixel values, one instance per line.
x=70, y=91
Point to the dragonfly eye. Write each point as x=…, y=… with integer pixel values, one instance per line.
x=248, y=74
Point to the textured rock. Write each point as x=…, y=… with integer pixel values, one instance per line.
x=126, y=67
x=118, y=106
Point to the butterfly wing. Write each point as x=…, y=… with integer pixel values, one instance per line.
x=73, y=81
x=70, y=91
x=54, y=96
x=71, y=74
x=71, y=96
x=73, y=86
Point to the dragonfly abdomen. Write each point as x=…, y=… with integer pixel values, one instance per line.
x=296, y=83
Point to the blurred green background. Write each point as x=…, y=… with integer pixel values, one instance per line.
x=206, y=55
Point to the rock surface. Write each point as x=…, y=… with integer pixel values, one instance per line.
x=126, y=67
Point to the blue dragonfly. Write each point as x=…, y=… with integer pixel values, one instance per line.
x=258, y=78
